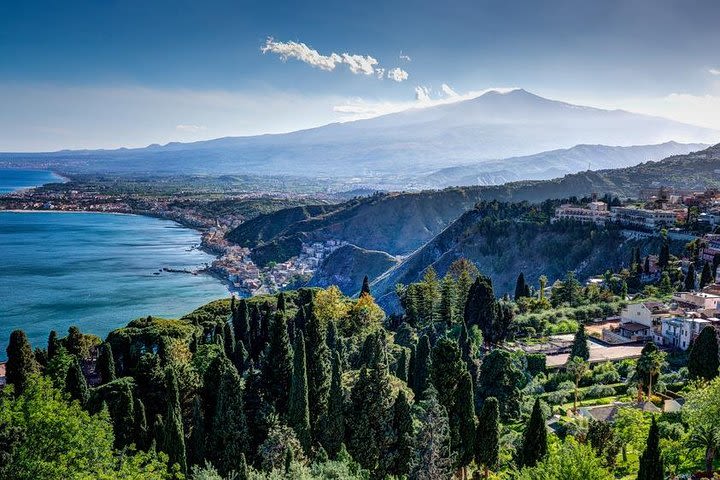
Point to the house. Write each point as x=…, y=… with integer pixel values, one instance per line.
x=643, y=218
x=639, y=320
x=681, y=332
x=698, y=300
x=596, y=212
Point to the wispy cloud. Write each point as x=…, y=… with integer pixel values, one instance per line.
x=714, y=71
x=404, y=57
x=422, y=94
x=190, y=128
x=357, y=64
x=448, y=91
x=397, y=74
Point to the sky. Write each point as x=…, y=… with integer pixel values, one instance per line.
x=107, y=74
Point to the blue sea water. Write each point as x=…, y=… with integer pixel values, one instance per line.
x=11, y=180
x=96, y=271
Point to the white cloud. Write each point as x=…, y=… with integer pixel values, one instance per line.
x=714, y=71
x=448, y=91
x=422, y=94
x=397, y=74
x=364, y=64
x=190, y=128
x=380, y=73
x=405, y=58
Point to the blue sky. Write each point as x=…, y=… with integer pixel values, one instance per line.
x=129, y=73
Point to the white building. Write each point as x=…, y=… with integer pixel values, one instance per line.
x=596, y=212
x=643, y=218
x=699, y=300
x=638, y=321
x=680, y=332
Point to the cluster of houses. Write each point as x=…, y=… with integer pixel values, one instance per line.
x=673, y=325
x=630, y=217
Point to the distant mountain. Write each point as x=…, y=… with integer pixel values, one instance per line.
x=400, y=223
x=414, y=142
x=554, y=164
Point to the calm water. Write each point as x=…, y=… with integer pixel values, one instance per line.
x=11, y=180
x=95, y=271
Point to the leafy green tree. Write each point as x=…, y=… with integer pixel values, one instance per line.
x=298, y=411
x=487, y=438
x=580, y=344
x=422, y=366
x=689, y=282
x=404, y=435
x=228, y=438
x=534, y=445
x=649, y=365
x=20, y=363
x=76, y=384
x=573, y=461
x=665, y=287
x=701, y=412
x=651, y=462
x=335, y=435
x=576, y=367
x=278, y=366
x=74, y=342
x=173, y=441
x=704, y=358
x=106, y=363
x=499, y=377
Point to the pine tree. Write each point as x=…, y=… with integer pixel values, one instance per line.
x=448, y=300
x=534, y=445
x=106, y=364
x=689, y=282
x=487, y=438
x=298, y=409
x=422, y=365
x=464, y=421
x=278, y=367
x=241, y=323
x=173, y=436
x=433, y=455
x=196, y=448
x=76, y=384
x=704, y=361
x=580, y=344
x=520, y=286
x=228, y=438
x=20, y=362
x=318, y=374
x=335, y=435
x=706, y=277
x=365, y=290
x=651, y=462
x=404, y=435
x=53, y=344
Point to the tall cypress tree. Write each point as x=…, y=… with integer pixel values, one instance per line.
x=481, y=307
x=173, y=436
x=446, y=371
x=318, y=374
x=704, y=360
x=332, y=337
x=448, y=300
x=580, y=344
x=401, y=370
x=534, y=445
x=487, y=438
x=651, y=462
x=228, y=340
x=281, y=304
x=20, y=362
x=664, y=257
x=520, y=286
x=689, y=282
x=278, y=366
x=335, y=435
x=229, y=438
x=76, y=384
x=53, y=344
x=241, y=323
x=141, y=427
x=242, y=471
x=404, y=435
x=706, y=277
x=298, y=408
x=422, y=365
x=464, y=421
x=365, y=290
x=196, y=448
x=74, y=341
x=106, y=363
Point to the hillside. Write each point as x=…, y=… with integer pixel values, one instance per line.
x=401, y=145
x=347, y=266
x=399, y=223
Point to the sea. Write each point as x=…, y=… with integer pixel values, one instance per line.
x=94, y=270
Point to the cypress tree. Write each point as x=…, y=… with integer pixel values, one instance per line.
x=465, y=346
x=481, y=307
x=281, y=302
x=140, y=423
x=228, y=340
x=211, y=385
x=401, y=371
x=664, y=257
x=651, y=462
x=446, y=371
x=335, y=435
x=173, y=436
x=242, y=471
x=404, y=435
x=448, y=300
x=365, y=290
x=106, y=363
x=20, y=362
x=534, y=445
x=318, y=374
x=74, y=341
x=423, y=363
x=464, y=421
x=229, y=438
x=158, y=442
x=196, y=448
x=706, y=277
x=646, y=267
x=689, y=282
x=241, y=323
x=487, y=438
x=53, y=344
x=76, y=384
x=298, y=409
x=520, y=286
x=580, y=344
x=278, y=366
x=332, y=337
x=704, y=361
x=240, y=357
